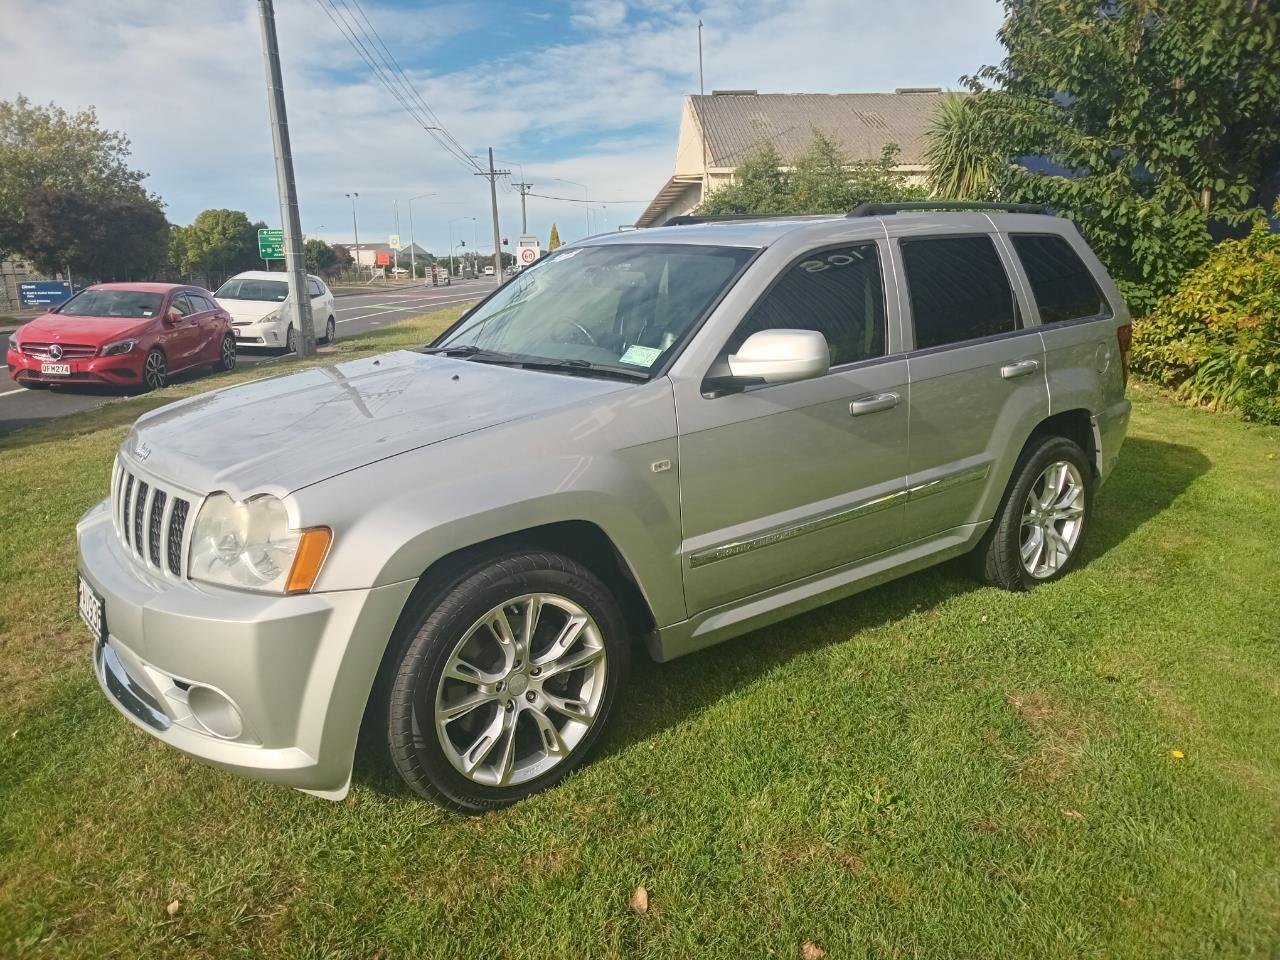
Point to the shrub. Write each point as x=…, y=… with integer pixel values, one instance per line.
x=1216, y=338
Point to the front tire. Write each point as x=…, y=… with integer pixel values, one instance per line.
x=330, y=330
x=503, y=685
x=155, y=369
x=1037, y=533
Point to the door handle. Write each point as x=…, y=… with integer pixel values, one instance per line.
x=1019, y=369
x=873, y=404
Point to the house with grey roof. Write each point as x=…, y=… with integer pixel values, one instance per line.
x=719, y=130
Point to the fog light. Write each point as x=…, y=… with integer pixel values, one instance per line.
x=215, y=712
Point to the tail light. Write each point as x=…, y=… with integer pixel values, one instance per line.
x=1124, y=339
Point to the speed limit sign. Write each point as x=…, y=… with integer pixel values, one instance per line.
x=528, y=255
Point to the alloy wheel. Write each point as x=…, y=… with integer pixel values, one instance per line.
x=1052, y=519
x=330, y=330
x=228, y=353
x=154, y=370
x=291, y=341
x=520, y=690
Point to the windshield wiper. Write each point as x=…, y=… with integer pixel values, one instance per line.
x=571, y=365
x=583, y=368
x=469, y=351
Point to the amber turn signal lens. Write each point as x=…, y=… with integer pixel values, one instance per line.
x=313, y=546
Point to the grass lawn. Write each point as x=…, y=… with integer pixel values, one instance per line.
x=930, y=769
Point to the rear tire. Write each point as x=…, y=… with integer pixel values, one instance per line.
x=481, y=711
x=1040, y=526
x=226, y=354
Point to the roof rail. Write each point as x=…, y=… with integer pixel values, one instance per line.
x=881, y=209
x=686, y=219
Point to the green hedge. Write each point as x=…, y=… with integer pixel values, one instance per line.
x=1216, y=339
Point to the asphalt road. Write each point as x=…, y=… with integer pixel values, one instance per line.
x=20, y=407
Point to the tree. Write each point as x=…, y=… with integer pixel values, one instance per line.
x=342, y=259
x=319, y=256
x=122, y=238
x=554, y=240
x=70, y=157
x=1154, y=126
x=821, y=180
x=963, y=163
x=218, y=244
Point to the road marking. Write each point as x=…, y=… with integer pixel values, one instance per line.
x=9, y=393
x=365, y=316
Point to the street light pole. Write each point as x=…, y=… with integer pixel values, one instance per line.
x=413, y=257
x=355, y=229
x=295, y=263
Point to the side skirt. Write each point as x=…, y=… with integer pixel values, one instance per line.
x=733, y=619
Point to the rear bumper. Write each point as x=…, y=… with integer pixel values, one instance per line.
x=270, y=687
x=120, y=371
x=1109, y=429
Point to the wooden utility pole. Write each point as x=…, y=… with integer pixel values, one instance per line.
x=493, y=176
x=295, y=262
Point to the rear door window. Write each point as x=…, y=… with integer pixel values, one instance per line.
x=838, y=292
x=959, y=290
x=1063, y=286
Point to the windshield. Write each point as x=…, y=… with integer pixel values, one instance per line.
x=112, y=303
x=273, y=290
x=615, y=304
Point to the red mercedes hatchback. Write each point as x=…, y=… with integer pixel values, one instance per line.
x=123, y=334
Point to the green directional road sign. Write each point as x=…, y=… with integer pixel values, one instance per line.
x=271, y=244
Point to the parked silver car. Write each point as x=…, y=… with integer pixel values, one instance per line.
x=676, y=435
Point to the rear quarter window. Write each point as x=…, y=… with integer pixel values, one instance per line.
x=1062, y=285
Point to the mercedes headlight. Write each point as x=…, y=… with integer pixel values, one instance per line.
x=249, y=545
x=118, y=348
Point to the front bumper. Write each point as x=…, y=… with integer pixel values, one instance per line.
x=261, y=333
x=270, y=687
x=124, y=370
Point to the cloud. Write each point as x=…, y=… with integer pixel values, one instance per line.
x=599, y=103
x=598, y=14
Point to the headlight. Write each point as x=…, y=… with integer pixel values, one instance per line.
x=249, y=545
x=117, y=348
x=272, y=317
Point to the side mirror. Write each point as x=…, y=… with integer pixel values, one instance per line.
x=773, y=356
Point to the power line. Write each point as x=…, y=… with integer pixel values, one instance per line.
x=394, y=79
x=543, y=196
x=409, y=87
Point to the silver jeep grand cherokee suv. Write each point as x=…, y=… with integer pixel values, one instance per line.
x=678, y=434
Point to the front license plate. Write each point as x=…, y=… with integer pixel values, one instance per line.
x=56, y=369
x=92, y=611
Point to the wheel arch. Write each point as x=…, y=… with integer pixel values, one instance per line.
x=582, y=540
x=1076, y=425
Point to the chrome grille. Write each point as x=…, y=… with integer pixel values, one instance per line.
x=70, y=351
x=150, y=520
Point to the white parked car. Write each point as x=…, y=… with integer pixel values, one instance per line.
x=488, y=271
x=256, y=301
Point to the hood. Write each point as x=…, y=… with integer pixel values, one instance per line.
x=250, y=310
x=55, y=328
x=277, y=435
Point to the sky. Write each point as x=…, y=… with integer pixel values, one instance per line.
x=581, y=98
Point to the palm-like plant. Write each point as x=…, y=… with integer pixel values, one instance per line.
x=962, y=166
